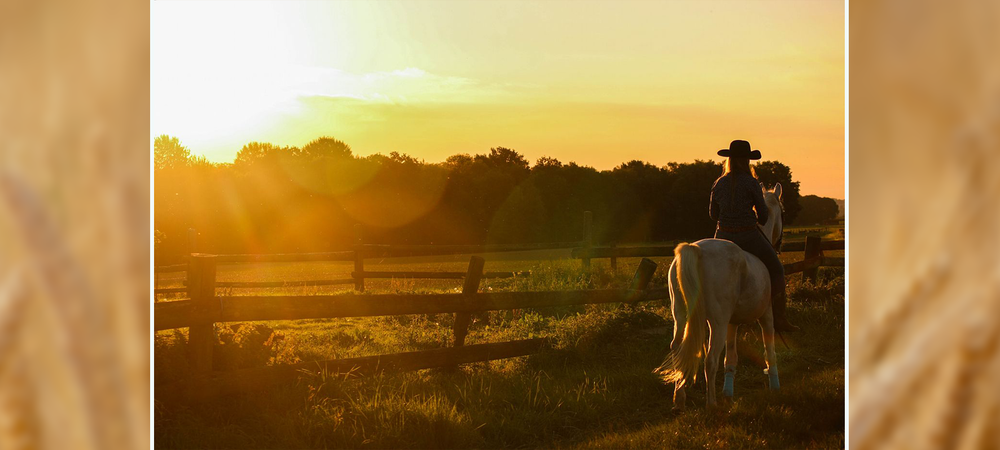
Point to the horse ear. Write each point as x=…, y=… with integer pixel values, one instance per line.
x=777, y=190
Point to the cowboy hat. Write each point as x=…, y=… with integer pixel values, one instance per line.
x=740, y=149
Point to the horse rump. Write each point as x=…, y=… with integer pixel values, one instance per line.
x=683, y=361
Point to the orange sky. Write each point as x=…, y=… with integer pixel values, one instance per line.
x=599, y=83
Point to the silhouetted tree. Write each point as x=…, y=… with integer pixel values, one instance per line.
x=326, y=147
x=168, y=153
x=254, y=152
x=816, y=210
x=285, y=199
x=689, y=198
x=546, y=162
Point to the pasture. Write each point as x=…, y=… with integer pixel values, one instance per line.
x=592, y=387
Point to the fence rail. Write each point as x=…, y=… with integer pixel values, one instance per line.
x=183, y=313
x=584, y=250
x=268, y=284
x=205, y=308
x=437, y=275
x=244, y=380
x=171, y=268
x=179, y=290
x=287, y=257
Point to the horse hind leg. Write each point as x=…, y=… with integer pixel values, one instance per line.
x=767, y=330
x=680, y=395
x=680, y=319
x=731, y=361
x=679, y=311
x=716, y=343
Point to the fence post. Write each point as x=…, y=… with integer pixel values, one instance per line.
x=588, y=238
x=812, y=251
x=614, y=259
x=469, y=288
x=643, y=275
x=192, y=241
x=359, y=260
x=201, y=335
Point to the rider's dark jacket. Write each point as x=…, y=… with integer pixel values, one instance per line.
x=733, y=206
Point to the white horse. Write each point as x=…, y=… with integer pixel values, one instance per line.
x=715, y=283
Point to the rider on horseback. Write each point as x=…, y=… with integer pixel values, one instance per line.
x=735, y=196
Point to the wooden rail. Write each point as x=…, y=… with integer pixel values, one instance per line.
x=437, y=275
x=583, y=250
x=244, y=380
x=170, y=290
x=171, y=268
x=287, y=257
x=802, y=266
x=623, y=252
x=396, y=251
x=204, y=309
x=182, y=313
x=651, y=251
x=836, y=244
x=267, y=284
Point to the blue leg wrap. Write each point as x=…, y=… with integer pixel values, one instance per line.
x=727, y=386
x=772, y=378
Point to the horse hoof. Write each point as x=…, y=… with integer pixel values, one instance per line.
x=773, y=383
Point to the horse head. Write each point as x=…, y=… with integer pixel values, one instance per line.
x=774, y=226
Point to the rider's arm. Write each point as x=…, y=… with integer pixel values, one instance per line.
x=713, y=206
x=758, y=203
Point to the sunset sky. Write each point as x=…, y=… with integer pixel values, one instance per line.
x=599, y=83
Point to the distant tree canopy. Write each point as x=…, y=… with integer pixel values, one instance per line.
x=168, y=153
x=288, y=199
x=817, y=210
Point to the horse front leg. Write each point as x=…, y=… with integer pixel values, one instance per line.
x=767, y=330
x=716, y=342
x=731, y=360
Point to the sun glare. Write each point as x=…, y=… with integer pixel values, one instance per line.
x=396, y=76
x=222, y=72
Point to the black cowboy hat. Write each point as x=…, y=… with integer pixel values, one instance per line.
x=740, y=149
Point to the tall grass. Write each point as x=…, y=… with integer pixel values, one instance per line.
x=592, y=387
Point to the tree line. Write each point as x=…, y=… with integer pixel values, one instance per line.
x=274, y=199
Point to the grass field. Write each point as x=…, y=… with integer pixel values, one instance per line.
x=592, y=387
x=824, y=231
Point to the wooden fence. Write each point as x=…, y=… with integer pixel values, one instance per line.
x=205, y=309
x=584, y=250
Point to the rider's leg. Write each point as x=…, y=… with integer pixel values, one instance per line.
x=767, y=255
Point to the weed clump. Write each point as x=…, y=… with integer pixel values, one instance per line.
x=603, y=326
x=823, y=291
x=249, y=345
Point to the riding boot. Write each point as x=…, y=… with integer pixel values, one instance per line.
x=780, y=319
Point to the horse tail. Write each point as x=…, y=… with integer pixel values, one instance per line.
x=683, y=361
